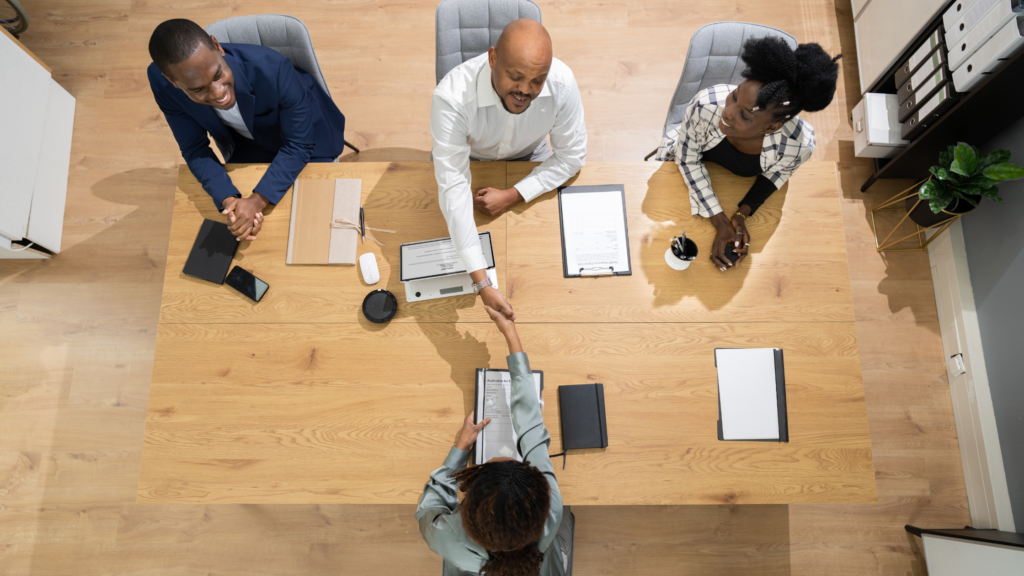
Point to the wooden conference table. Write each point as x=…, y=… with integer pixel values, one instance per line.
x=299, y=399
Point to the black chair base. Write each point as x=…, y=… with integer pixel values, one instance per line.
x=349, y=144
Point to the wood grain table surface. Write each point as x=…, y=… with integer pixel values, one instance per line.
x=298, y=399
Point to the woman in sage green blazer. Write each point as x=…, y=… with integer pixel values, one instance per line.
x=509, y=517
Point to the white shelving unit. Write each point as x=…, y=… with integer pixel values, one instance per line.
x=35, y=149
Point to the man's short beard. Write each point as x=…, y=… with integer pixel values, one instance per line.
x=505, y=106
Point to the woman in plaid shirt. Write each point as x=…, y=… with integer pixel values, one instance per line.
x=752, y=130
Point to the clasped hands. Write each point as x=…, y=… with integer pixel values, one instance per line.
x=245, y=215
x=729, y=230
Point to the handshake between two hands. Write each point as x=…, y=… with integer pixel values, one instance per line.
x=507, y=326
x=245, y=215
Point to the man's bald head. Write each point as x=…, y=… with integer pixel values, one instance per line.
x=524, y=39
x=520, y=62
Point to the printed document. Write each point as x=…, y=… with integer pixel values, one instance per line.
x=432, y=258
x=594, y=231
x=495, y=402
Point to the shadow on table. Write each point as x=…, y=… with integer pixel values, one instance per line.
x=666, y=193
x=437, y=319
x=127, y=243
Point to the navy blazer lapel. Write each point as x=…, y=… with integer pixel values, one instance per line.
x=243, y=92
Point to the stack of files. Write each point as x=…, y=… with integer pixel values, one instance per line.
x=316, y=206
x=928, y=112
x=935, y=61
x=751, y=395
x=986, y=27
x=923, y=54
x=1000, y=47
x=931, y=84
x=955, y=12
x=968, y=19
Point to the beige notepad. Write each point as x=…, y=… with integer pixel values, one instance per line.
x=316, y=204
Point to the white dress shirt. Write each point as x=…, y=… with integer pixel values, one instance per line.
x=233, y=118
x=467, y=118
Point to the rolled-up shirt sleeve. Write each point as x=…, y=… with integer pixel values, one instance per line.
x=689, y=154
x=568, y=147
x=794, y=151
x=449, y=130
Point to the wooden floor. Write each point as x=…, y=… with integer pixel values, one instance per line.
x=79, y=331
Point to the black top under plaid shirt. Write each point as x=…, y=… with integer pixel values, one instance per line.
x=782, y=153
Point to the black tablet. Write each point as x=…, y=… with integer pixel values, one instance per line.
x=212, y=252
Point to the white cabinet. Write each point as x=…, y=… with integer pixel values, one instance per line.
x=884, y=28
x=35, y=149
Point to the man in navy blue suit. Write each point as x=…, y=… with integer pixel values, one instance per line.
x=255, y=104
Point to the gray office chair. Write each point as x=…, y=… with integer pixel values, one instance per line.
x=712, y=58
x=285, y=34
x=465, y=29
x=566, y=534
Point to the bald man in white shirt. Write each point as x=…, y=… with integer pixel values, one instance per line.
x=502, y=106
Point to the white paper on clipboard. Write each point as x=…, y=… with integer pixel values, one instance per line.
x=595, y=240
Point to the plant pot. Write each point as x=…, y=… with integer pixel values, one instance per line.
x=924, y=217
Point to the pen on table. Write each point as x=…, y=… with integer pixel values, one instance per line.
x=362, y=223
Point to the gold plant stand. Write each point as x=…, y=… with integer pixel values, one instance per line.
x=897, y=200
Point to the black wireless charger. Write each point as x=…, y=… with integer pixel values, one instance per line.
x=380, y=306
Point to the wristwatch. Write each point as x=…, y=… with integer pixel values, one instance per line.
x=478, y=286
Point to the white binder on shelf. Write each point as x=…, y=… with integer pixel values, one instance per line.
x=970, y=18
x=956, y=11
x=986, y=28
x=1004, y=44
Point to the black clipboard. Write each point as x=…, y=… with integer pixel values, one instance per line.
x=477, y=383
x=583, y=272
x=780, y=394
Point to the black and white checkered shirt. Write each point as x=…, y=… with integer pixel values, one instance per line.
x=782, y=153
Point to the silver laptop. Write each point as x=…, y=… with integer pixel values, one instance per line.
x=432, y=269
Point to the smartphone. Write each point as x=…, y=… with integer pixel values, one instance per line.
x=730, y=253
x=242, y=280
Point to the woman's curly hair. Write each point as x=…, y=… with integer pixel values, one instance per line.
x=794, y=80
x=504, y=510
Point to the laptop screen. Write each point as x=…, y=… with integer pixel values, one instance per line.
x=434, y=258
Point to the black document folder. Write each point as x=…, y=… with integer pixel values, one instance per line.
x=583, y=417
x=780, y=394
x=212, y=252
x=929, y=112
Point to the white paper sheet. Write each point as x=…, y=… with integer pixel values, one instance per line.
x=594, y=232
x=747, y=393
x=498, y=438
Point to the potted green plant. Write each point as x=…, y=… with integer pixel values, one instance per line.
x=963, y=177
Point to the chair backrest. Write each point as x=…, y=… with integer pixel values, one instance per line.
x=465, y=29
x=285, y=34
x=714, y=58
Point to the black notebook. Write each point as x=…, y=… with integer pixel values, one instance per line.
x=583, y=418
x=212, y=252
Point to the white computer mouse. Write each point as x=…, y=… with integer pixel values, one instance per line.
x=368, y=266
